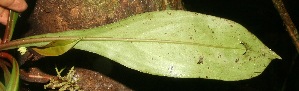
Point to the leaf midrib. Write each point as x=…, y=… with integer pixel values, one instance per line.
x=26, y=41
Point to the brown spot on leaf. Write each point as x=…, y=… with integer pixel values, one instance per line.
x=237, y=60
x=200, y=60
x=219, y=56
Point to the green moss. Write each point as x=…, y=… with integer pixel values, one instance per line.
x=68, y=82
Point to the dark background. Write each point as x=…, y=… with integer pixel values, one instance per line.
x=258, y=16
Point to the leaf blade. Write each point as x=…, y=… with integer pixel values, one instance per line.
x=56, y=48
x=178, y=44
x=214, y=34
x=13, y=83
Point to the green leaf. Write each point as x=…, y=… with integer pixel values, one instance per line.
x=13, y=20
x=2, y=87
x=3, y=65
x=176, y=44
x=13, y=83
x=11, y=79
x=56, y=48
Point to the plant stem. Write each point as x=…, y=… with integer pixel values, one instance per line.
x=290, y=27
x=293, y=32
x=22, y=42
x=11, y=21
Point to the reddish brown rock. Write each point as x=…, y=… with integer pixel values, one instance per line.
x=60, y=15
